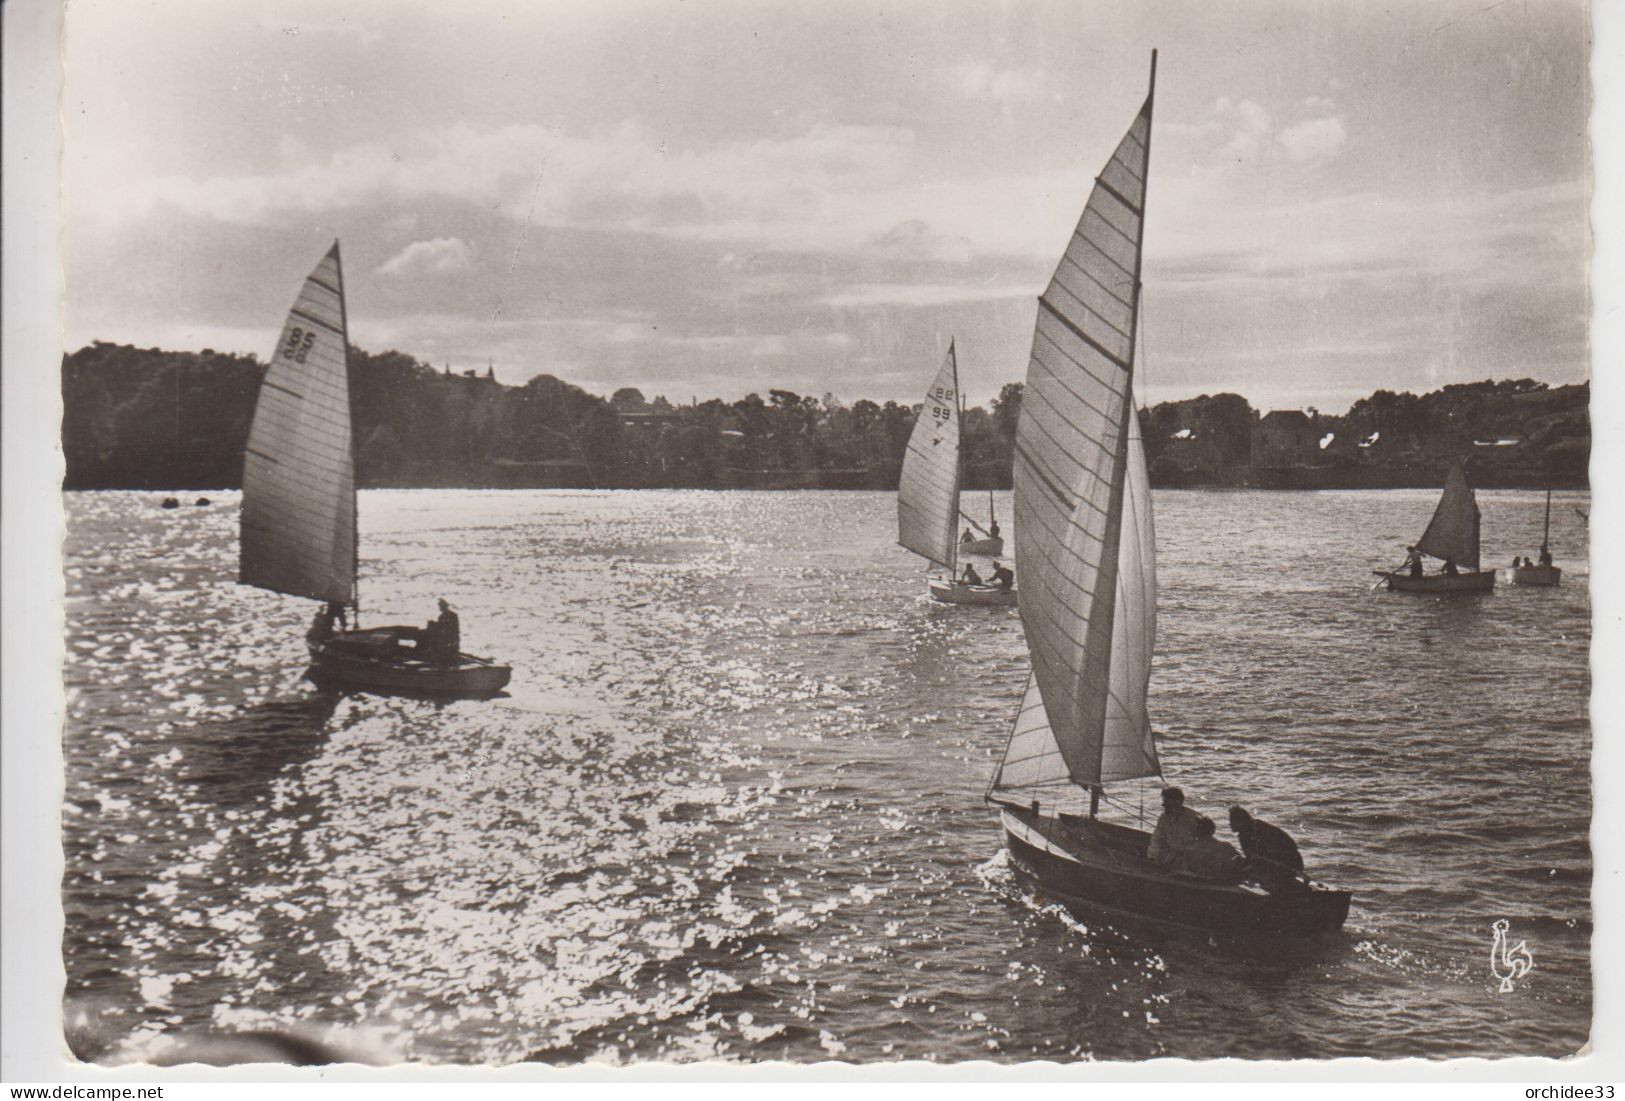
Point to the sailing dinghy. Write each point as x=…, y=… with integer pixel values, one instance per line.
x=298, y=533
x=991, y=545
x=1087, y=562
x=1543, y=572
x=928, y=492
x=1452, y=536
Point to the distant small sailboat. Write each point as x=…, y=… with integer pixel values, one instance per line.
x=1542, y=572
x=928, y=492
x=1087, y=558
x=1452, y=536
x=298, y=528
x=991, y=545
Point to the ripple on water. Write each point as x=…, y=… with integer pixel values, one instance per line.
x=731, y=807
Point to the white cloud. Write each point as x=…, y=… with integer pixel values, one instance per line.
x=978, y=80
x=922, y=294
x=438, y=256
x=1319, y=139
x=1242, y=131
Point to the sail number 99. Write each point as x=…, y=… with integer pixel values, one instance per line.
x=297, y=346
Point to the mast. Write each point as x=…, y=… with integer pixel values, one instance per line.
x=1546, y=531
x=959, y=466
x=355, y=492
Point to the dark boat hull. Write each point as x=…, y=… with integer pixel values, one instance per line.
x=1537, y=575
x=1107, y=879
x=376, y=661
x=1480, y=581
x=953, y=592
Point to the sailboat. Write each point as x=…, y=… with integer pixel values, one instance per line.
x=928, y=492
x=1542, y=572
x=298, y=529
x=1087, y=562
x=991, y=545
x=1452, y=536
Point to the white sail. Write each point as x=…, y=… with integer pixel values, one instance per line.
x=1128, y=749
x=1082, y=504
x=1032, y=758
x=298, y=517
x=928, y=492
x=1453, y=531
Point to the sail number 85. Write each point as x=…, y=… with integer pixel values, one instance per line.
x=298, y=344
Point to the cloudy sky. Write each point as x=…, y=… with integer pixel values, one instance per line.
x=707, y=197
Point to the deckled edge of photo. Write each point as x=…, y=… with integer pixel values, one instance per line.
x=32, y=1048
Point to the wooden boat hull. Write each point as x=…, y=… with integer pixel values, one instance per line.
x=1105, y=877
x=374, y=660
x=983, y=548
x=1478, y=582
x=953, y=592
x=1537, y=575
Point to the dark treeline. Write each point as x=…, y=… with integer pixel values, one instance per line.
x=149, y=419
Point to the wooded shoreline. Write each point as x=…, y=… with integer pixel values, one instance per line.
x=159, y=420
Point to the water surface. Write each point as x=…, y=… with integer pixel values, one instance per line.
x=732, y=806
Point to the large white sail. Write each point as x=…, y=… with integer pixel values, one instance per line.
x=298, y=516
x=1032, y=758
x=1453, y=531
x=1082, y=503
x=928, y=492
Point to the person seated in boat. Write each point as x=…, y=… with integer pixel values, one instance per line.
x=1003, y=577
x=1272, y=855
x=1209, y=858
x=1545, y=556
x=442, y=639
x=1517, y=563
x=1176, y=830
x=992, y=529
x=1413, y=562
x=1449, y=569
x=970, y=576
x=321, y=628
x=967, y=537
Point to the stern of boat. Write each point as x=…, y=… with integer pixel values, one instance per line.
x=1099, y=868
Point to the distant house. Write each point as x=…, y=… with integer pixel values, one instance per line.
x=1286, y=437
x=648, y=418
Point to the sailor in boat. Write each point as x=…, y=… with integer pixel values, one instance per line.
x=1450, y=568
x=1176, y=832
x=1272, y=856
x=329, y=617
x=1545, y=555
x=442, y=639
x=970, y=576
x=967, y=537
x=1003, y=577
x=992, y=529
x=1210, y=858
x=1413, y=562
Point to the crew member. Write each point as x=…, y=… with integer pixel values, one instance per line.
x=1272, y=856
x=1176, y=831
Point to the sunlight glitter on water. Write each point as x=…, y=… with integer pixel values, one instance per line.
x=731, y=807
